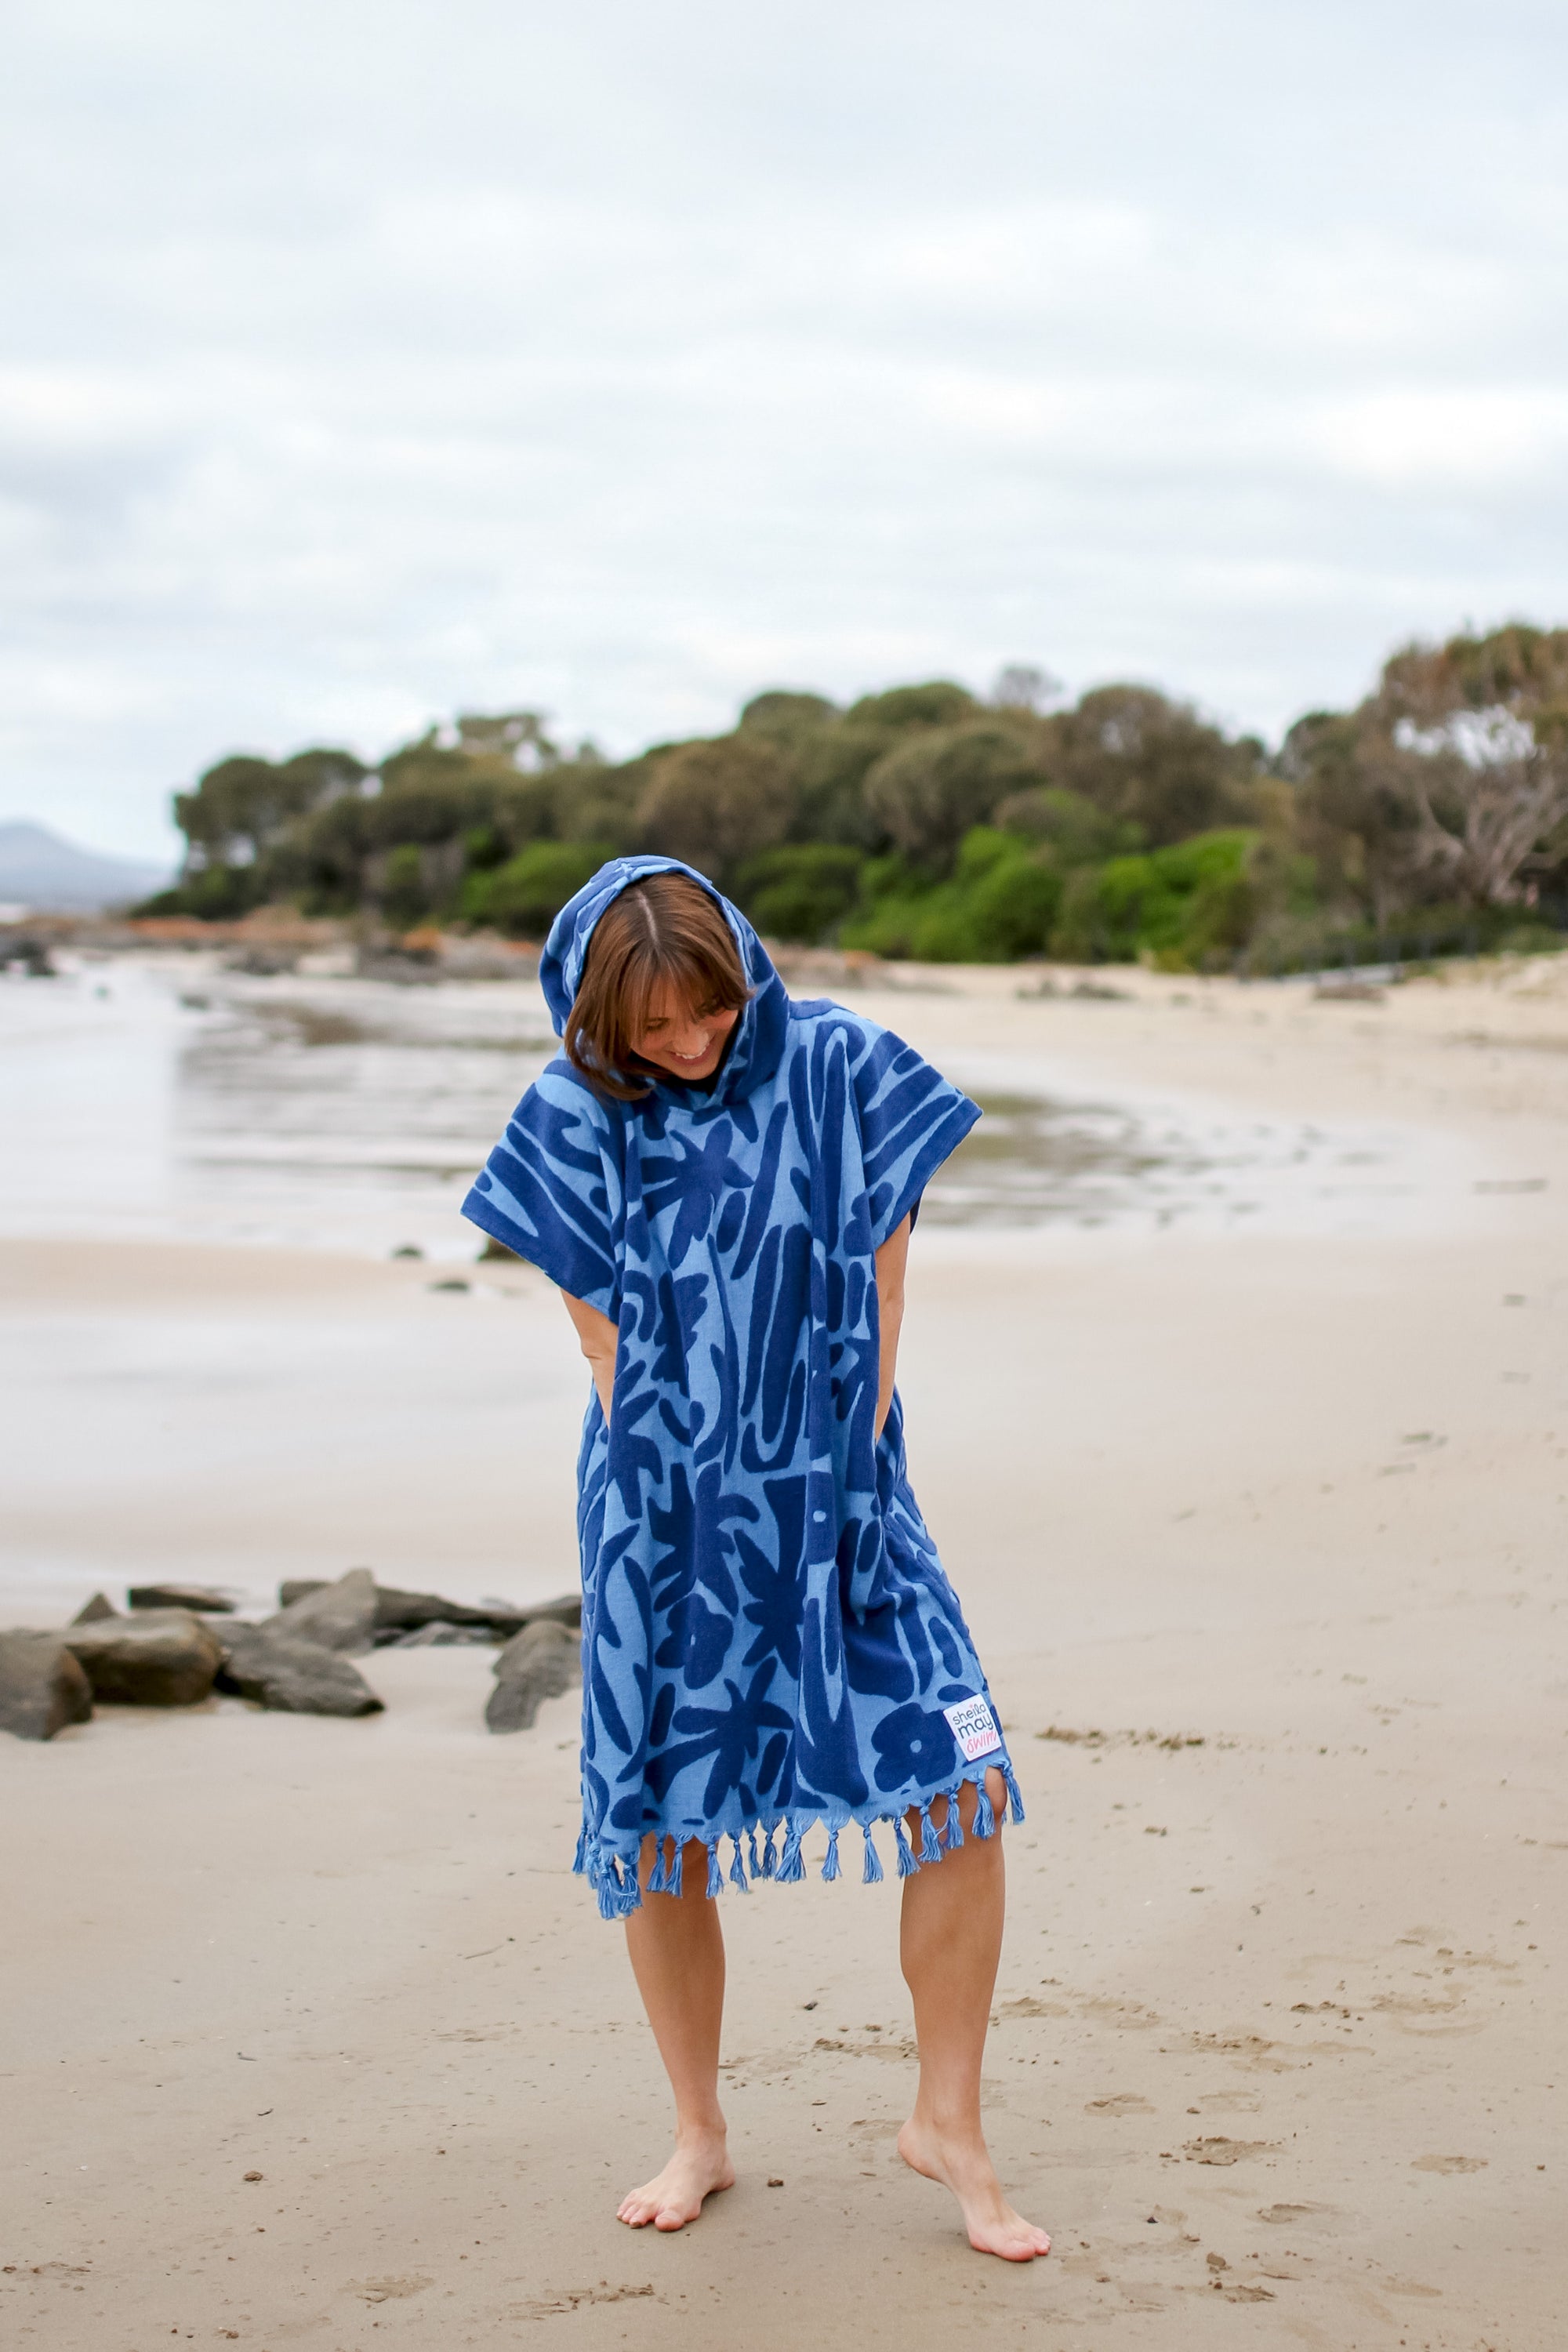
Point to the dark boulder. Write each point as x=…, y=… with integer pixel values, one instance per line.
x=92, y=1610
x=340, y=1616
x=540, y=1663
x=204, y=1599
x=291, y=1676
x=405, y=1613
x=438, y=1635
x=160, y=1657
x=42, y=1688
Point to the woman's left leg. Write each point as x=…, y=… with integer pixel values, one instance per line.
x=951, y=1941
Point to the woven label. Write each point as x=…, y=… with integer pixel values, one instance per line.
x=974, y=1729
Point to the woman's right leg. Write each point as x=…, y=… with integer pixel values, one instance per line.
x=676, y=1949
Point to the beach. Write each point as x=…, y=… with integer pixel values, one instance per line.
x=1236, y=1402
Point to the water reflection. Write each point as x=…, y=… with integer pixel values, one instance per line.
x=353, y=1113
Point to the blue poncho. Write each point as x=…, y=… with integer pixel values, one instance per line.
x=769, y=1640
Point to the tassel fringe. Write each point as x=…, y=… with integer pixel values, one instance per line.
x=615, y=1877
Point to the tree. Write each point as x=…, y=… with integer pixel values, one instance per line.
x=515, y=735
x=1449, y=782
x=1149, y=762
x=716, y=803
x=783, y=714
x=242, y=806
x=1024, y=685
x=1480, y=729
x=930, y=788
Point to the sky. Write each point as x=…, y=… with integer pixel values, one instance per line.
x=362, y=364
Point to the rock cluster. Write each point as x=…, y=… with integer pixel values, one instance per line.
x=168, y=1650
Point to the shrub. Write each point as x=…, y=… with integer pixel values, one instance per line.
x=800, y=893
x=523, y=897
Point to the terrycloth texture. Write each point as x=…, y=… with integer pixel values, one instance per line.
x=768, y=1637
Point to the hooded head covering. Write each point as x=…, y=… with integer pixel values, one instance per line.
x=757, y=1042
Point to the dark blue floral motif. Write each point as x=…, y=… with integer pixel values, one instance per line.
x=769, y=1638
x=912, y=1743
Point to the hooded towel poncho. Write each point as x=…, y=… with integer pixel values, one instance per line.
x=769, y=1640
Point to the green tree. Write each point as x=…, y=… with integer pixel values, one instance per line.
x=241, y=807
x=524, y=896
x=1146, y=760
x=800, y=892
x=716, y=803
x=939, y=781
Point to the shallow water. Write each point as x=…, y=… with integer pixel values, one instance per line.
x=165, y=1097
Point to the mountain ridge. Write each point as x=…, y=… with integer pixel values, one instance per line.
x=44, y=873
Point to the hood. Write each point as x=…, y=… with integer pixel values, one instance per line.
x=757, y=1044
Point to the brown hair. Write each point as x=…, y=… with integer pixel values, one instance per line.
x=665, y=928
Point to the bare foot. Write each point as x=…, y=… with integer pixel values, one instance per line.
x=700, y=2165
x=964, y=2167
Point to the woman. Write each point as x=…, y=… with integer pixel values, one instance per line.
x=722, y=1184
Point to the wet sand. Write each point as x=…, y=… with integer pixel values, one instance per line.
x=1259, y=1532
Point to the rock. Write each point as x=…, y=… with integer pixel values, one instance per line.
x=291, y=1676
x=204, y=1599
x=340, y=1616
x=42, y=1688
x=540, y=1663
x=405, y=1613
x=160, y=1657
x=91, y=1610
x=436, y=1636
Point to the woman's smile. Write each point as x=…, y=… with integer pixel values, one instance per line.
x=687, y=1044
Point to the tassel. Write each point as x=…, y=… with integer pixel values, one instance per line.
x=830, y=1867
x=580, y=1859
x=908, y=1865
x=952, y=1831
x=768, y=1868
x=1008, y=1774
x=738, y=1868
x=659, y=1877
x=792, y=1870
x=872, y=1874
x=930, y=1850
x=715, y=1875
x=672, y=1885
x=751, y=1845
x=985, y=1815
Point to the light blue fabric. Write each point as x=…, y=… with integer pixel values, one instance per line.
x=769, y=1640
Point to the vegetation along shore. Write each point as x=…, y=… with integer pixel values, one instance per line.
x=926, y=822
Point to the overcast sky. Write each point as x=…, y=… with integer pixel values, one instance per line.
x=360, y=363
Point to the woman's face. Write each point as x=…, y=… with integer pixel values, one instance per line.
x=686, y=1042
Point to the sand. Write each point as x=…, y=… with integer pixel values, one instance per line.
x=1260, y=1533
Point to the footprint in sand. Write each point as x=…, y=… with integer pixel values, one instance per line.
x=1125, y=2102
x=1449, y=2163
x=1302, y=2217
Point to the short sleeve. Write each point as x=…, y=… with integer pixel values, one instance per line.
x=551, y=1189
x=911, y=1120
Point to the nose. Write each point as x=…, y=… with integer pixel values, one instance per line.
x=691, y=1040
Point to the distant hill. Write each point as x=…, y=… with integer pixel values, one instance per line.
x=45, y=874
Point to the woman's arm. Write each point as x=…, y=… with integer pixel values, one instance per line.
x=599, y=1339
x=891, y=1259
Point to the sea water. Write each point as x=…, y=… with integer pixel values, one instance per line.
x=162, y=1097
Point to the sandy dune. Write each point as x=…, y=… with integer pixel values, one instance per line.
x=1261, y=1534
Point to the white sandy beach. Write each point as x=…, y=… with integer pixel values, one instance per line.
x=1259, y=1514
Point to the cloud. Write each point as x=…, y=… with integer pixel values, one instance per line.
x=622, y=361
